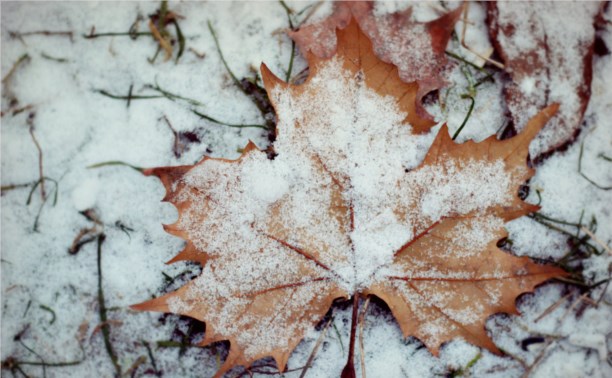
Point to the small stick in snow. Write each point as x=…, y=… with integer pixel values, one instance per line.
x=22, y=59
x=46, y=33
x=316, y=348
x=132, y=34
x=552, y=307
x=361, y=347
x=582, y=298
x=596, y=240
x=585, y=176
x=464, y=45
x=40, y=155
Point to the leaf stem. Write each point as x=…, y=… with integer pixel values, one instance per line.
x=349, y=368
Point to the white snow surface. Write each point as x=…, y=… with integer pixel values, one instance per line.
x=53, y=295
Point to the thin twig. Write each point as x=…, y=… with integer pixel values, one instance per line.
x=43, y=363
x=552, y=307
x=50, y=364
x=49, y=57
x=102, y=311
x=150, y=353
x=312, y=8
x=239, y=126
x=339, y=338
x=463, y=31
x=538, y=359
x=6, y=188
x=46, y=33
x=361, y=347
x=573, y=305
x=129, y=97
x=40, y=156
x=316, y=348
x=111, y=34
x=585, y=176
x=38, y=182
x=22, y=59
x=131, y=372
x=596, y=240
x=463, y=60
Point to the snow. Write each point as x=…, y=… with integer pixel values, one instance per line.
x=77, y=127
x=84, y=195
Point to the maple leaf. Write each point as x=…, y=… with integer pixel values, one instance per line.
x=353, y=205
x=548, y=62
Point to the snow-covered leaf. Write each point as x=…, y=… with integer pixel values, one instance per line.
x=547, y=48
x=352, y=205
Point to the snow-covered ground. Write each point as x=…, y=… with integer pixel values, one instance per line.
x=53, y=99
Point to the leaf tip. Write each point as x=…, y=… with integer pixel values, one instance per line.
x=270, y=79
x=537, y=122
x=250, y=147
x=156, y=305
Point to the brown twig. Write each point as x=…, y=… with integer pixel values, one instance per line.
x=538, y=359
x=361, y=347
x=465, y=46
x=596, y=240
x=552, y=307
x=40, y=156
x=177, y=147
x=46, y=33
x=22, y=59
x=99, y=327
x=85, y=235
x=582, y=298
x=131, y=372
x=316, y=348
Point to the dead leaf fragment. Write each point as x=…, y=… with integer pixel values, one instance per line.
x=415, y=48
x=547, y=48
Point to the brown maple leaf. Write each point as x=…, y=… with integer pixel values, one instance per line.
x=547, y=48
x=353, y=205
